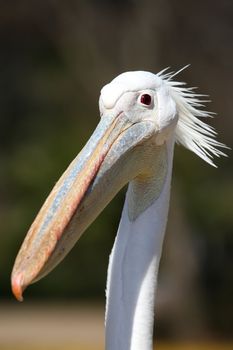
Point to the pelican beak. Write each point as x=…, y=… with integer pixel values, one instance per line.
x=105, y=164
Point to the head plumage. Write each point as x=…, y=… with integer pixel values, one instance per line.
x=192, y=132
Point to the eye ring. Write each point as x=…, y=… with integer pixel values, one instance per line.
x=146, y=99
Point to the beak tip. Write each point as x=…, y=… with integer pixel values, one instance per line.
x=18, y=287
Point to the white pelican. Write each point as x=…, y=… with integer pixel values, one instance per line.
x=142, y=116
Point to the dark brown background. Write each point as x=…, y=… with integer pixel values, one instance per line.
x=54, y=58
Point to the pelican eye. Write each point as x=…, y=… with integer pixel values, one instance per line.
x=145, y=99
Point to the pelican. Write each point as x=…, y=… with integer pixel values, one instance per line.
x=142, y=115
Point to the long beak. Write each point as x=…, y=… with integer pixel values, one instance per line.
x=86, y=187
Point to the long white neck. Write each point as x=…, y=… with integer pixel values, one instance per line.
x=133, y=270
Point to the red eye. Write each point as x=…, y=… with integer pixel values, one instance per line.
x=145, y=99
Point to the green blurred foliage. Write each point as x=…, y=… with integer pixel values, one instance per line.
x=55, y=56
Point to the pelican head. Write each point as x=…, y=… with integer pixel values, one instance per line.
x=140, y=114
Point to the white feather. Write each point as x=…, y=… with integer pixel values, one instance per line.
x=192, y=132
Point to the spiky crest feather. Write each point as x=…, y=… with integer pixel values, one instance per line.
x=192, y=132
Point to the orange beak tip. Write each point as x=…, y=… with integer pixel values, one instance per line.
x=17, y=287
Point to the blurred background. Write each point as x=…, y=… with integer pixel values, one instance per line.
x=54, y=58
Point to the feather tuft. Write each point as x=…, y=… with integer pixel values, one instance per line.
x=192, y=132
